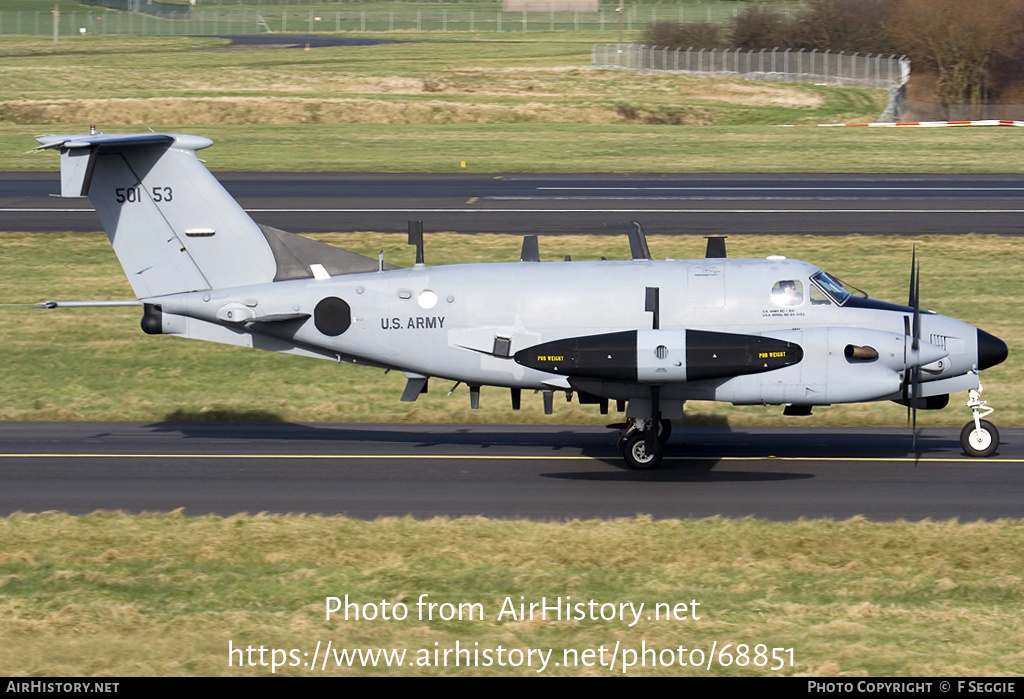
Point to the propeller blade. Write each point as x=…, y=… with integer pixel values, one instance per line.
x=907, y=362
x=914, y=385
x=912, y=300
x=911, y=372
x=917, y=308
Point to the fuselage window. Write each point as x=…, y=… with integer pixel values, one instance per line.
x=789, y=292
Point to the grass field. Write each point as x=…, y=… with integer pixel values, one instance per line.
x=573, y=148
x=546, y=79
x=428, y=106
x=108, y=594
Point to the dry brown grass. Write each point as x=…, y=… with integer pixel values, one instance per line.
x=445, y=101
x=458, y=83
x=277, y=110
x=735, y=92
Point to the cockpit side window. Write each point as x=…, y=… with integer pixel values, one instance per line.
x=831, y=287
x=788, y=292
x=819, y=298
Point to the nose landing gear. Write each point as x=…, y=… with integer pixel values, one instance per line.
x=979, y=437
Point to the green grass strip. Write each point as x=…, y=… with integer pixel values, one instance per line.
x=109, y=594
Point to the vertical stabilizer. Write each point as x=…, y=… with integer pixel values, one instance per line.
x=173, y=226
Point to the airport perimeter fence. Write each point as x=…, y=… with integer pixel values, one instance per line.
x=358, y=17
x=784, y=65
x=890, y=73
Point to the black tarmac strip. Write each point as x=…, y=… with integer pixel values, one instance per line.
x=293, y=41
x=552, y=204
x=554, y=472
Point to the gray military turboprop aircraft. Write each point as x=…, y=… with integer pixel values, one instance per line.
x=648, y=334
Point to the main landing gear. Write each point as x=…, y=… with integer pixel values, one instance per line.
x=979, y=437
x=642, y=442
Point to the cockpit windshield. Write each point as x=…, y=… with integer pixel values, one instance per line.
x=838, y=291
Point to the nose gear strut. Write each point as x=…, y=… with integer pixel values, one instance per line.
x=979, y=437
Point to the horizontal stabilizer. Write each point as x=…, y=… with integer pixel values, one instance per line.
x=78, y=155
x=87, y=304
x=101, y=139
x=280, y=317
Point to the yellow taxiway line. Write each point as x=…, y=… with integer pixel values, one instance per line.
x=515, y=457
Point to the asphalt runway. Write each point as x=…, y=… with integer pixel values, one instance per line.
x=581, y=204
x=292, y=41
x=536, y=472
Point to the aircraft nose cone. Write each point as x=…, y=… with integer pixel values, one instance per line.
x=991, y=350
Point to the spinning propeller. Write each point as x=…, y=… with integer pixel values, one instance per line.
x=912, y=363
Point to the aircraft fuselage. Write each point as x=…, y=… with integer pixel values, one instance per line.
x=468, y=322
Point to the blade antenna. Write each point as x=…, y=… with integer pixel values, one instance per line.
x=638, y=242
x=416, y=238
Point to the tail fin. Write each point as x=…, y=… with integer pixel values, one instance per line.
x=173, y=226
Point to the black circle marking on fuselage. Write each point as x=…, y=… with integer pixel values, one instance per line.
x=332, y=316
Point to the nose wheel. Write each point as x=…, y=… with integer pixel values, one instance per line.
x=979, y=437
x=980, y=440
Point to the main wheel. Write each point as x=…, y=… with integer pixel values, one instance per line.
x=636, y=454
x=983, y=442
x=664, y=430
